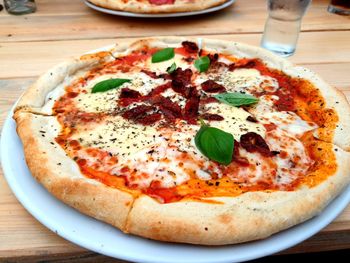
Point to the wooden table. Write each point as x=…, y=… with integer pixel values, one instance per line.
x=30, y=44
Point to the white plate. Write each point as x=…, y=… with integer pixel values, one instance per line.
x=102, y=238
x=179, y=14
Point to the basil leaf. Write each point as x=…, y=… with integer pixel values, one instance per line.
x=108, y=84
x=236, y=98
x=202, y=63
x=172, y=68
x=215, y=144
x=163, y=55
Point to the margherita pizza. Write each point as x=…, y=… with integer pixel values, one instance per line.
x=157, y=6
x=196, y=141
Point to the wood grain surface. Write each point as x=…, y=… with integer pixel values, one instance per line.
x=31, y=44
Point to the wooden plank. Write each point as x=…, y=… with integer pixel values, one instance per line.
x=63, y=20
x=26, y=59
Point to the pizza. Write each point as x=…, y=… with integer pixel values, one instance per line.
x=187, y=140
x=157, y=6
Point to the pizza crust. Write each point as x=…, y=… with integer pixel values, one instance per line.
x=250, y=216
x=137, y=6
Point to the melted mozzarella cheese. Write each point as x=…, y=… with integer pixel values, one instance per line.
x=288, y=121
x=235, y=120
x=183, y=138
x=259, y=170
x=292, y=161
x=144, y=165
x=118, y=136
x=107, y=101
x=169, y=172
x=242, y=80
x=184, y=151
x=139, y=148
x=264, y=105
x=248, y=80
x=281, y=169
x=98, y=102
x=161, y=67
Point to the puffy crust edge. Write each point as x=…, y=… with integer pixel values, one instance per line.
x=139, y=7
x=61, y=176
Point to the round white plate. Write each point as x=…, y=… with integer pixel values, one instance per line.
x=179, y=14
x=102, y=238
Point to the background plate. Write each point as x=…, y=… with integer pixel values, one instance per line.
x=102, y=238
x=130, y=14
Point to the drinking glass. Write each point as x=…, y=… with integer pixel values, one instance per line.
x=283, y=25
x=340, y=7
x=20, y=7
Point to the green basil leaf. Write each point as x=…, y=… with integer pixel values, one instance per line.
x=236, y=98
x=108, y=84
x=172, y=68
x=163, y=55
x=215, y=144
x=202, y=63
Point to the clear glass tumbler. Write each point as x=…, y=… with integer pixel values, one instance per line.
x=283, y=25
x=20, y=7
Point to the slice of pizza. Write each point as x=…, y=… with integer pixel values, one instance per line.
x=187, y=140
x=157, y=6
